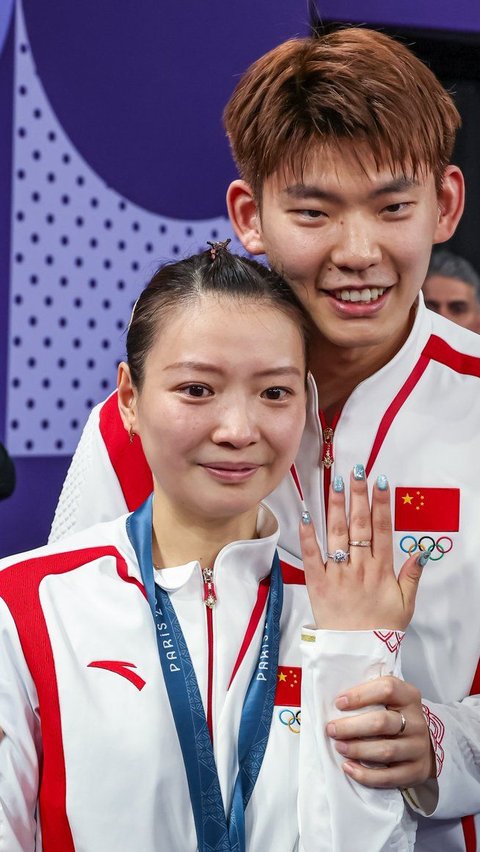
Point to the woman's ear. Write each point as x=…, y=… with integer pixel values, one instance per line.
x=451, y=201
x=245, y=216
x=127, y=398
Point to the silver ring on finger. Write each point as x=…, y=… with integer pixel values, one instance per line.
x=403, y=723
x=367, y=542
x=339, y=555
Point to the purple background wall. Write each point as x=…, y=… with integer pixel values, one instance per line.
x=136, y=102
x=463, y=15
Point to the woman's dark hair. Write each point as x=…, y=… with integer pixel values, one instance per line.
x=215, y=272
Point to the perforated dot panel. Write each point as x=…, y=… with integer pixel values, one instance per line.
x=80, y=255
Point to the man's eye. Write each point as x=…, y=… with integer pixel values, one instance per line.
x=197, y=391
x=399, y=207
x=311, y=214
x=458, y=308
x=275, y=393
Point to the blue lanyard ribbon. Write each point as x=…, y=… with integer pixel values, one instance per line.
x=214, y=832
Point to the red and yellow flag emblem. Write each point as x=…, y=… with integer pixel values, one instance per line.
x=427, y=509
x=289, y=682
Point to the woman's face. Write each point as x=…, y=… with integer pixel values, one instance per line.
x=222, y=406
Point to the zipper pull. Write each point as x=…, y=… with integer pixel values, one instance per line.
x=209, y=595
x=327, y=447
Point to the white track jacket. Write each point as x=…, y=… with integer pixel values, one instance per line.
x=89, y=730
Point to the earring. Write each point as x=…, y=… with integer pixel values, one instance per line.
x=131, y=434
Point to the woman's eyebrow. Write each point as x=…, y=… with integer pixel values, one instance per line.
x=194, y=365
x=279, y=371
x=203, y=366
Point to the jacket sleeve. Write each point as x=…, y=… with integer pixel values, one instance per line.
x=336, y=814
x=455, y=735
x=91, y=492
x=20, y=748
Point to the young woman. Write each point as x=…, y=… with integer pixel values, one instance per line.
x=156, y=671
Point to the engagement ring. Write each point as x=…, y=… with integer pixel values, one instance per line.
x=339, y=555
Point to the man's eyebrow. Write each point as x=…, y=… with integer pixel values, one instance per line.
x=399, y=184
x=305, y=191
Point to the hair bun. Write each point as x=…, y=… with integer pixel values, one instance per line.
x=218, y=247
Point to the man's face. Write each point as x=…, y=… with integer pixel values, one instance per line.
x=353, y=242
x=453, y=299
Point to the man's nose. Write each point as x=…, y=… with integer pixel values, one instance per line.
x=356, y=246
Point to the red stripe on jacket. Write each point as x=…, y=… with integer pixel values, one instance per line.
x=468, y=822
x=437, y=350
x=127, y=459
x=19, y=588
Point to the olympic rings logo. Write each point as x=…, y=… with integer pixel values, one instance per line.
x=433, y=545
x=291, y=719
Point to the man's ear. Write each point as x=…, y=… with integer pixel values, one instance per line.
x=127, y=398
x=451, y=201
x=245, y=216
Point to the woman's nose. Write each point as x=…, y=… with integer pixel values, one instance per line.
x=236, y=426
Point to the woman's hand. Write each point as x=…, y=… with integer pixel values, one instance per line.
x=363, y=592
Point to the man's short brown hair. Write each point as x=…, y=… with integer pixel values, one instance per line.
x=352, y=84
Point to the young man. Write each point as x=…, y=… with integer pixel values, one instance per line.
x=343, y=146
x=452, y=289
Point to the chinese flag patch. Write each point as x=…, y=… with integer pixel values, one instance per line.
x=289, y=682
x=420, y=509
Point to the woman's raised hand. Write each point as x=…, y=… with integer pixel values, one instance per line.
x=356, y=588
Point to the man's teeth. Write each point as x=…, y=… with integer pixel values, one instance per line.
x=367, y=295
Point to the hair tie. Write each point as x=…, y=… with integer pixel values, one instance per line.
x=216, y=248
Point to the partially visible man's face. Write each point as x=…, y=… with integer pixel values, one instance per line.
x=353, y=242
x=453, y=299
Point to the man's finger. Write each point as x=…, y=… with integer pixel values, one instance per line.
x=374, y=723
x=382, y=751
x=384, y=777
x=381, y=690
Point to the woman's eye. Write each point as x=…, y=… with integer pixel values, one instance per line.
x=196, y=391
x=275, y=393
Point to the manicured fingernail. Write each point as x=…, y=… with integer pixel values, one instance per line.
x=338, y=485
x=341, y=747
x=358, y=471
x=423, y=559
x=306, y=519
x=341, y=702
x=382, y=482
x=331, y=729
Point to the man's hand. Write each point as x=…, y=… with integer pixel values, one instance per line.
x=372, y=737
